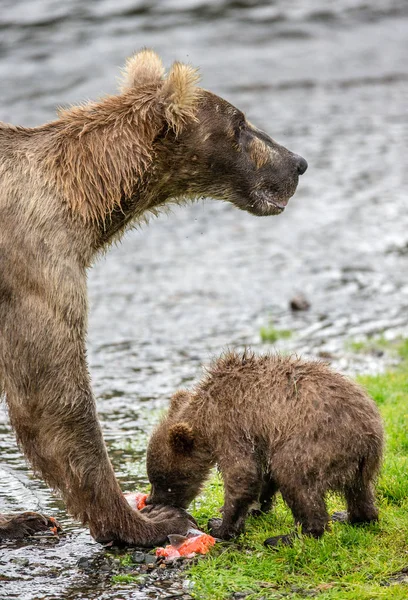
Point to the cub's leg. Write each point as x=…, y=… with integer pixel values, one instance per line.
x=361, y=506
x=242, y=485
x=360, y=499
x=309, y=511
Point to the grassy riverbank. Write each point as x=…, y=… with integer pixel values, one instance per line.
x=349, y=563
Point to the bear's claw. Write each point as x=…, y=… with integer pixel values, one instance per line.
x=14, y=527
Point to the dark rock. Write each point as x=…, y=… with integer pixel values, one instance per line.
x=299, y=302
x=84, y=563
x=138, y=557
x=326, y=355
x=105, y=565
x=179, y=562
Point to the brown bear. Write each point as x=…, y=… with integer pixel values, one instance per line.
x=68, y=189
x=270, y=423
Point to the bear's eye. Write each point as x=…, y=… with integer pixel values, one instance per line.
x=239, y=127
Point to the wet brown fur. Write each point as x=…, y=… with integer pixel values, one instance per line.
x=67, y=190
x=259, y=153
x=92, y=152
x=270, y=423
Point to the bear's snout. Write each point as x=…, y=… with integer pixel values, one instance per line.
x=301, y=164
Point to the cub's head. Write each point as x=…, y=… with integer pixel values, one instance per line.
x=177, y=461
x=204, y=146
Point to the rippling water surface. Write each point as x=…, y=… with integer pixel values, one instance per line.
x=329, y=80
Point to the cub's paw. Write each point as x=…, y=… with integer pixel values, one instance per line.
x=280, y=540
x=14, y=527
x=217, y=529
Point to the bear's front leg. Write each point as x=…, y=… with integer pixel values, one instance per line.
x=53, y=413
x=242, y=487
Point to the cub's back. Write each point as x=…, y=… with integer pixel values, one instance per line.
x=273, y=397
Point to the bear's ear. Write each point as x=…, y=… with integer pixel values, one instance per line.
x=144, y=67
x=181, y=438
x=179, y=398
x=179, y=94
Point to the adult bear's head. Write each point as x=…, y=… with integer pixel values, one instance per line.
x=208, y=148
x=220, y=154
x=163, y=138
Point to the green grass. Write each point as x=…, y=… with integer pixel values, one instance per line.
x=348, y=563
x=370, y=345
x=271, y=335
x=123, y=578
x=379, y=345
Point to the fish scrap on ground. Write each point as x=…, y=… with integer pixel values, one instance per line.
x=195, y=542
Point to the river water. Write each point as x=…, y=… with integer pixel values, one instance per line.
x=327, y=79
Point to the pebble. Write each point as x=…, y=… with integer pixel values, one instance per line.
x=105, y=566
x=20, y=561
x=299, y=302
x=188, y=584
x=138, y=557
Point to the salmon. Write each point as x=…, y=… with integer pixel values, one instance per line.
x=196, y=542
x=137, y=500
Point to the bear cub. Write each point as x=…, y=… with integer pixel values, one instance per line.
x=271, y=423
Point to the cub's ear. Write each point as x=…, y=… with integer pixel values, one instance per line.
x=144, y=67
x=181, y=438
x=179, y=398
x=179, y=94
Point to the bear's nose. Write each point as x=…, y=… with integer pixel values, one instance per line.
x=301, y=164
